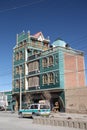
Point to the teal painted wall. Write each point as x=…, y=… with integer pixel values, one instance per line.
x=16, y=62
x=50, y=68
x=9, y=99
x=57, y=68
x=22, y=37
x=61, y=68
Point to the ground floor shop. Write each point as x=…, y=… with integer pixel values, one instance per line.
x=56, y=99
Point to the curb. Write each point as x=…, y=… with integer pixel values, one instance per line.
x=60, y=122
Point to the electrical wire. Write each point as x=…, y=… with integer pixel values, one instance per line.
x=61, y=59
x=10, y=72
x=22, y=6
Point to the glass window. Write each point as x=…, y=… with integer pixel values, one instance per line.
x=34, y=107
x=50, y=60
x=44, y=62
x=21, y=69
x=45, y=79
x=21, y=55
x=17, y=56
x=51, y=78
x=17, y=70
x=44, y=107
x=17, y=83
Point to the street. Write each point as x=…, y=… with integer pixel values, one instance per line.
x=10, y=121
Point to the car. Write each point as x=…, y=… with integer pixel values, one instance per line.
x=2, y=108
x=35, y=110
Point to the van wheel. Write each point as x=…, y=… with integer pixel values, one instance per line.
x=33, y=115
x=20, y=115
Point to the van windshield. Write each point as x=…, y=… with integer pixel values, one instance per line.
x=44, y=107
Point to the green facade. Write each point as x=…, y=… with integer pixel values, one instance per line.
x=57, y=68
x=9, y=99
x=33, y=50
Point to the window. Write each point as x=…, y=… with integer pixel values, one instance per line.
x=33, y=81
x=17, y=84
x=24, y=41
x=21, y=43
x=35, y=52
x=34, y=107
x=9, y=103
x=21, y=69
x=17, y=56
x=44, y=107
x=44, y=62
x=50, y=60
x=33, y=66
x=33, y=43
x=22, y=83
x=36, y=65
x=45, y=79
x=17, y=70
x=51, y=78
x=30, y=67
x=21, y=55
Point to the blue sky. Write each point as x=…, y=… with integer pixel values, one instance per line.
x=66, y=19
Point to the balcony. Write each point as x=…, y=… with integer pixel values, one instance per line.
x=35, y=45
x=34, y=88
x=34, y=72
x=17, y=89
x=32, y=57
x=16, y=62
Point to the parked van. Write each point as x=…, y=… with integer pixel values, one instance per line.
x=35, y=110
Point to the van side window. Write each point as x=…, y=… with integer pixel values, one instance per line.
x=34, y=107
x=44, y=107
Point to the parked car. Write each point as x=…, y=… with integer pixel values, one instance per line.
x=2, y=108
x=35, y=110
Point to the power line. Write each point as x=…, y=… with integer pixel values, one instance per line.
x=10, y=72
x=83, y=70
x=11, y=69
x=22, y=6
x=80, y=41
x=84, y=36
x=6, y=84
x=3, y=75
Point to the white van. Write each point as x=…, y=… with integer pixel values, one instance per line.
x=35, y=110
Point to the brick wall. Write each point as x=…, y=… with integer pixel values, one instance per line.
x=76, y=100
x=74, y=71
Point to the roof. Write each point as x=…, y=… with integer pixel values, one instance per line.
x=39, y=36
x=59, y=42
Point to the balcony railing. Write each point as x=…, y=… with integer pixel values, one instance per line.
x=34, y=88
x=34, y=72
x=32, y=57
x=17, y=89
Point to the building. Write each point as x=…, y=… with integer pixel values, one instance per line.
x=6, y=100
x=44, y=71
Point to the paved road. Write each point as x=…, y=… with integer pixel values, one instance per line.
x=9, y=121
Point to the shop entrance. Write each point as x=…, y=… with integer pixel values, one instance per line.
x=57, y=104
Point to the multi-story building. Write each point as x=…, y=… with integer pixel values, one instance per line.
x=44, y=71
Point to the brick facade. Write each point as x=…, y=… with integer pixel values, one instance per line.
x=74, y=71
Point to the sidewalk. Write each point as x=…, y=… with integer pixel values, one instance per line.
x=75, y=116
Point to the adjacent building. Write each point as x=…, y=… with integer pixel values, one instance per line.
x=6, y=100
x=43, y=71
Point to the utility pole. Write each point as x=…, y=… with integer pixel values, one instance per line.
x=20, y=93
